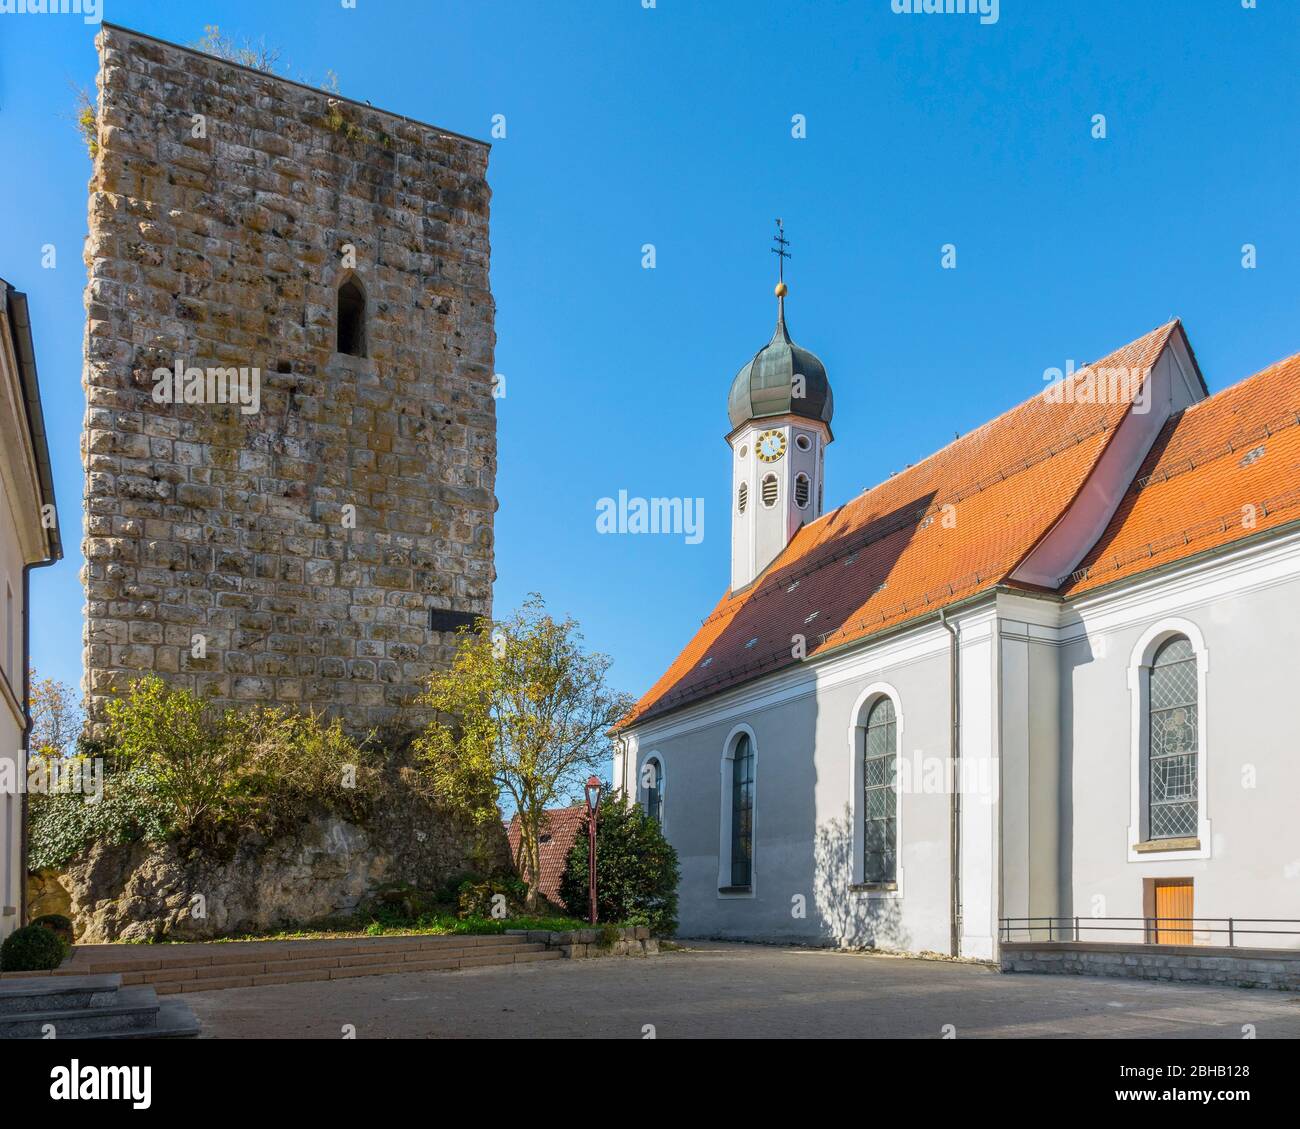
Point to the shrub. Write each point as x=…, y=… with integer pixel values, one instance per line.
x=259, y=769
x=448, y=894
x=636, y=870
x=87, y=120
x=395, y=903
x=33, y=948
x=476, y=897
x=198, y=772
x=174, y=766
x=57, y=924
x=297, y=761
x=60, y=825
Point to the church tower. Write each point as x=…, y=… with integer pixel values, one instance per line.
x=780, y=409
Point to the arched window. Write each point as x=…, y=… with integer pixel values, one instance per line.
x=879, y=814
x=770, y=490
x=742, y=496
x=742, y=812
x=352, y=318
x=1173, y=743
x=652, y=775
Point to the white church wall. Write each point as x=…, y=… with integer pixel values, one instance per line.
x=980, y=772
x=1048, y=753
x=1030, y=731
x=1243, y=608
x=804, y=813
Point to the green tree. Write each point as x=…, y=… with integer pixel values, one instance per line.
x=523, y=711
x=56, y=716
x=636, y=869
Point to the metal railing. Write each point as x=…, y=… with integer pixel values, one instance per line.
x=1151, y=928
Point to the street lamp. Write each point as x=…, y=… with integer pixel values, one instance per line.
x=593, y=813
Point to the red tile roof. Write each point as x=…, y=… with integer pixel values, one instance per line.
x=558, y=833
x=1224, y=469
x=938, y=532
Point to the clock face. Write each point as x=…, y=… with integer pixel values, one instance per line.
x=771, y=446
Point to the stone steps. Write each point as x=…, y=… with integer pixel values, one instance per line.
x=200, y=967
x=21, y=991
x=90, y=1007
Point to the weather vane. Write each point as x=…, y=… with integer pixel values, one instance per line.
x=780, y=250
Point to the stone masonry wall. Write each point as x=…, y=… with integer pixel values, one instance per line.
x=1241, y=968
x=289, y=555
x=580, y=944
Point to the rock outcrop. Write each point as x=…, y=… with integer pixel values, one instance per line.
x=324, y=868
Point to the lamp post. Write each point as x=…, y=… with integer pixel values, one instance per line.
x=593, y=813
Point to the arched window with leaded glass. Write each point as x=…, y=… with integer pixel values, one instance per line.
x=653, y=776
x=1173, y=707
x=879, y=799
x=742, y=813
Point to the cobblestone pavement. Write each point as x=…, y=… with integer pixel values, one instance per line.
x=733, y=991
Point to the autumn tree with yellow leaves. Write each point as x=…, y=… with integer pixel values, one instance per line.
x=524, y=711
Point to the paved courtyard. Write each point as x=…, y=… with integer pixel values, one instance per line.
x=743, y=991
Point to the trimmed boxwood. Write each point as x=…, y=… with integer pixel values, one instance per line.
x=33, y=948
x=57, y=924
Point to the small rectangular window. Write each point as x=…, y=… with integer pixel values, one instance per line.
x=442, y=620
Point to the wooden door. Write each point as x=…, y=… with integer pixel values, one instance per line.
x=1173, y=901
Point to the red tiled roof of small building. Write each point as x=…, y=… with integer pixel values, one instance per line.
x=559, y=831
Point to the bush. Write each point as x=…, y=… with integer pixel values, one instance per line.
x=395, y=903
x=476, y=896
x=175, y=767
x=61, y=825
x=257, y=769
x=57, y=924
x=636, y=870
x=33, y=948
x=296, y=762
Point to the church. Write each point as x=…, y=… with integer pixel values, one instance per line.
x=1026, y=688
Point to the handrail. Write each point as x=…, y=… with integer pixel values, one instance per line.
x=1070, y=928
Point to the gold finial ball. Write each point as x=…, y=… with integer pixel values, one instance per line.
x=782, y=290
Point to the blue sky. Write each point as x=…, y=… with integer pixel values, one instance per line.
x=672, y=126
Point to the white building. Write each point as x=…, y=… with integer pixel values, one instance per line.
x=28, y=538
x=1086, y=611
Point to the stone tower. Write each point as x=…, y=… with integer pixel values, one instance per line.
x=302, y=514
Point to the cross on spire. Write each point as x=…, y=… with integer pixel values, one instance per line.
x=780, y=249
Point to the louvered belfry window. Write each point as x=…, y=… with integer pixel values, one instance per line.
x=802, y=489
x=770, y=491
x=1173, y=733
x=742, y=497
